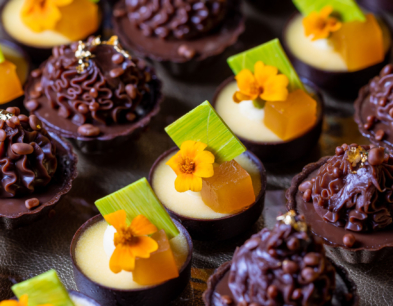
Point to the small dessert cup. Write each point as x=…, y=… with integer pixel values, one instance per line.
x=200, y=220
x=186, y=49
x=93, y=277
x=321, y=63
x=351, y=232
x=116, y=105
x=256, y=136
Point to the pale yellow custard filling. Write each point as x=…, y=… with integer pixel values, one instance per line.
x=15, y=57
x=92, y=259
x=320, y=53
x=14, y=26
x=190, y=204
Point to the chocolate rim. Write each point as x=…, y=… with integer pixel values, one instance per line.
x=186, y=266
x=72, y=159
x=377, y=5
x=137, y=49
x=290, y=195
x=218, y=228
x=330, y=79
x=85, y=297
x=25, y=55
x=222, y=270
x=307, y=139
x=129, y=128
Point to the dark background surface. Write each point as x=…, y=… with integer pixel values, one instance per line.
x=44, y=245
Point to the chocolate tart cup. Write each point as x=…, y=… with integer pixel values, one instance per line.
x=113, y=136
x=150, y=296
x=379, y=6
x=40, y=54
x=164, y=52
x=340, y=297
x=355, y=255
x=13, y=212
x=342, y=85
x=284, y=151
x=220, y=228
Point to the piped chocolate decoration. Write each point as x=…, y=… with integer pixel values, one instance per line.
x=179, y=19
x=354, y=188
x=283, y=266
x=27, y=155
x=96, y=82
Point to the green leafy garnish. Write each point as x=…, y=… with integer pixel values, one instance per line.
x=2, y=58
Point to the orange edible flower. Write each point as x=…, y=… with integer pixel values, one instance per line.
x=191, y=164
x=130, y=241
x=265, y=84
x=40, y=15
x=23, y=301
x=320, y=25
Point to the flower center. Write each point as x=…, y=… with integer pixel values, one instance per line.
x=188, y=166
x=125, y=237
x=321, y=23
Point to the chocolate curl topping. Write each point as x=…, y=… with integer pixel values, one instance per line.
x=180, y=19
x=354, y=188
x=283, y=266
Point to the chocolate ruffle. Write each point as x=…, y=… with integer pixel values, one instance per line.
x=282, y=266
x=180, y=19
x=352, y=191
x=27, y=155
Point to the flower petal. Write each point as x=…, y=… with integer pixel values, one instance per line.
x=11, y=303
x=143, y=246
x=204, y=157
x=175, y=161
x=61, y=2
x=141, y=226
x=247, y=83
x=122, y=259
x=204, y=170
x=263, y=73
x=190, y=148
x=24, y=300
x=117, y=219
x=276, y=88
x=326, y=11
x=40, y=16
x=187, y=182
x=239, y=97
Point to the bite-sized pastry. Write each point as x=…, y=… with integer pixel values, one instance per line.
x=178, y=31
x=374, y=109
x=46, y=289
x=274, y=113
x=336, y=44
x=379, y=6
x=346, y=198
x=283, y=266
x=36, y=168
x=38, y=26
x=209, y=182
x=133, y=253
x=94, y=92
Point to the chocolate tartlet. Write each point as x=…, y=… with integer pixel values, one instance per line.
x=374, y=109
x=37, y=168
x=346, y=199
x=283, y=266
x=175, y=32
x=94, y=93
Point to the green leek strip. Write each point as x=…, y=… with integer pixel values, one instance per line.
x=139, y=199
x=2, y=58
x=205, y=125
x=270, y=53
x=347, y=10
x=44, y=289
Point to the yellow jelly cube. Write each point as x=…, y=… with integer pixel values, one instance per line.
x=360, y=43
x=229, y=190
x=292, y=117
x=10, y=87
x=159, y=267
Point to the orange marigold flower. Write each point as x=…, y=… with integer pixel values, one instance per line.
x=23, y=301
x=320, y=25
x=41, y=15
x=191, y=164
x=130, y=241
x=265, y=84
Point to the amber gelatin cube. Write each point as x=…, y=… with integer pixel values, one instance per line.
x=229, y=190
x=159, y=267
x=292, y=117
x=360, y=43
x=10, y=87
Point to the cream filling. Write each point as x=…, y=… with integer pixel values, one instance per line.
x=14, y=26
x=243, y=118
x=78, y=301
x=93, y=260
x=15, y=57
x=319, y=54
x=190, y=204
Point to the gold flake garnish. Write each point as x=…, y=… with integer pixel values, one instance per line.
x=290, y=219
x=356, y=155
x=4, y=115
x=114, y=41
x=83, y=57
